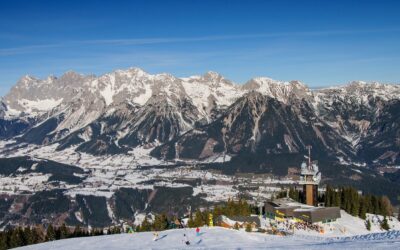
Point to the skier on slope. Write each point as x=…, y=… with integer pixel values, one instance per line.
x=155, y=234
x=186, y=239
x=197, y=231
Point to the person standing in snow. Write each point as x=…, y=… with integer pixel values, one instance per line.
x=197, y=231
x=186, y=239
x=155, y=234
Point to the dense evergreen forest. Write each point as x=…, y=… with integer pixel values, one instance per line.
x=16, y=237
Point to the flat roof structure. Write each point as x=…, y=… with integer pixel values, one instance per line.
x=288, y=208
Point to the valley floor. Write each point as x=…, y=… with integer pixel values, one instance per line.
x=221, y=238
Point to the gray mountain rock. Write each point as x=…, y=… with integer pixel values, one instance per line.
x=118, y=111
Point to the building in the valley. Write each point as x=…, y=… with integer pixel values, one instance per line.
x=286, y=208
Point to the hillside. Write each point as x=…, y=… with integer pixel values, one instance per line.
x=220, y=238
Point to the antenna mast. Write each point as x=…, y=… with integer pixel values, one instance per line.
x=309, y=156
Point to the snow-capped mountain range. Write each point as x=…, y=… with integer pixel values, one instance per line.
x=98, y=150
x=121, y=110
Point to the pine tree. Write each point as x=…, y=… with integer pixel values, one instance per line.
x=191, y=222
x=28, y=235
x=386, y=206
x=117, y=230
x=398, y=215
x=244, y=208
x=57, y=233
x=77, y=231
x=3, y=241
x=368, y=225
x=8, y=235
x=64, y=232
x=15, y=239
x=385, y=224
x=298, y=196
x=368, y=204
x=218, y=211
x=363, y=209
x=199, y=221
x=328, y=195
x=23, y=238
x=337, y=199
x=94, y=232
x=291, y=193
x=375, y=205
x=50, y=233
x=36, y=236
x=355, y=204
x=160, y=222
x=294, y=194
x=145, y=226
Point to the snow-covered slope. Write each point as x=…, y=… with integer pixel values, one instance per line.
x=350, y=226
x=33, y=96
x=220, y=238
x=284, y=92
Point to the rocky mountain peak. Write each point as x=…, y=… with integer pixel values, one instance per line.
x=214, y=79
x=27, y=79
x=212, y=75
x=298, y=84
x=137, y=71
x=283, y=91
x=71, y=74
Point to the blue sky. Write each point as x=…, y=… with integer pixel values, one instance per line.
x=318, y=42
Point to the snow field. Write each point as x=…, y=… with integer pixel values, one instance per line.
x=221, y=238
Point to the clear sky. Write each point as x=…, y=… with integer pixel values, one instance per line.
x=318, y=42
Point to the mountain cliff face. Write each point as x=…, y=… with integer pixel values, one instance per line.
x=382, y=143
x=199, y=117
x=351, y=109
x=126, y=126
x=260, y=125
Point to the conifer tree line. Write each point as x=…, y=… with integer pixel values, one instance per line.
x=292, y=193
x=17, y=237
x=348, y=199
x=198, y=218
x=231, y=208
x=296, y=194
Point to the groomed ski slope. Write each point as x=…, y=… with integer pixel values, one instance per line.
x=221, y=238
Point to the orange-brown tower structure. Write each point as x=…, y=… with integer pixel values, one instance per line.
x=310, y=178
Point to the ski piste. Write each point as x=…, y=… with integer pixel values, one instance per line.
x=221, y=238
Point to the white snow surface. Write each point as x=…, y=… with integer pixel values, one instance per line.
x=221, y=238
x=39, y=105
x=107, y=173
